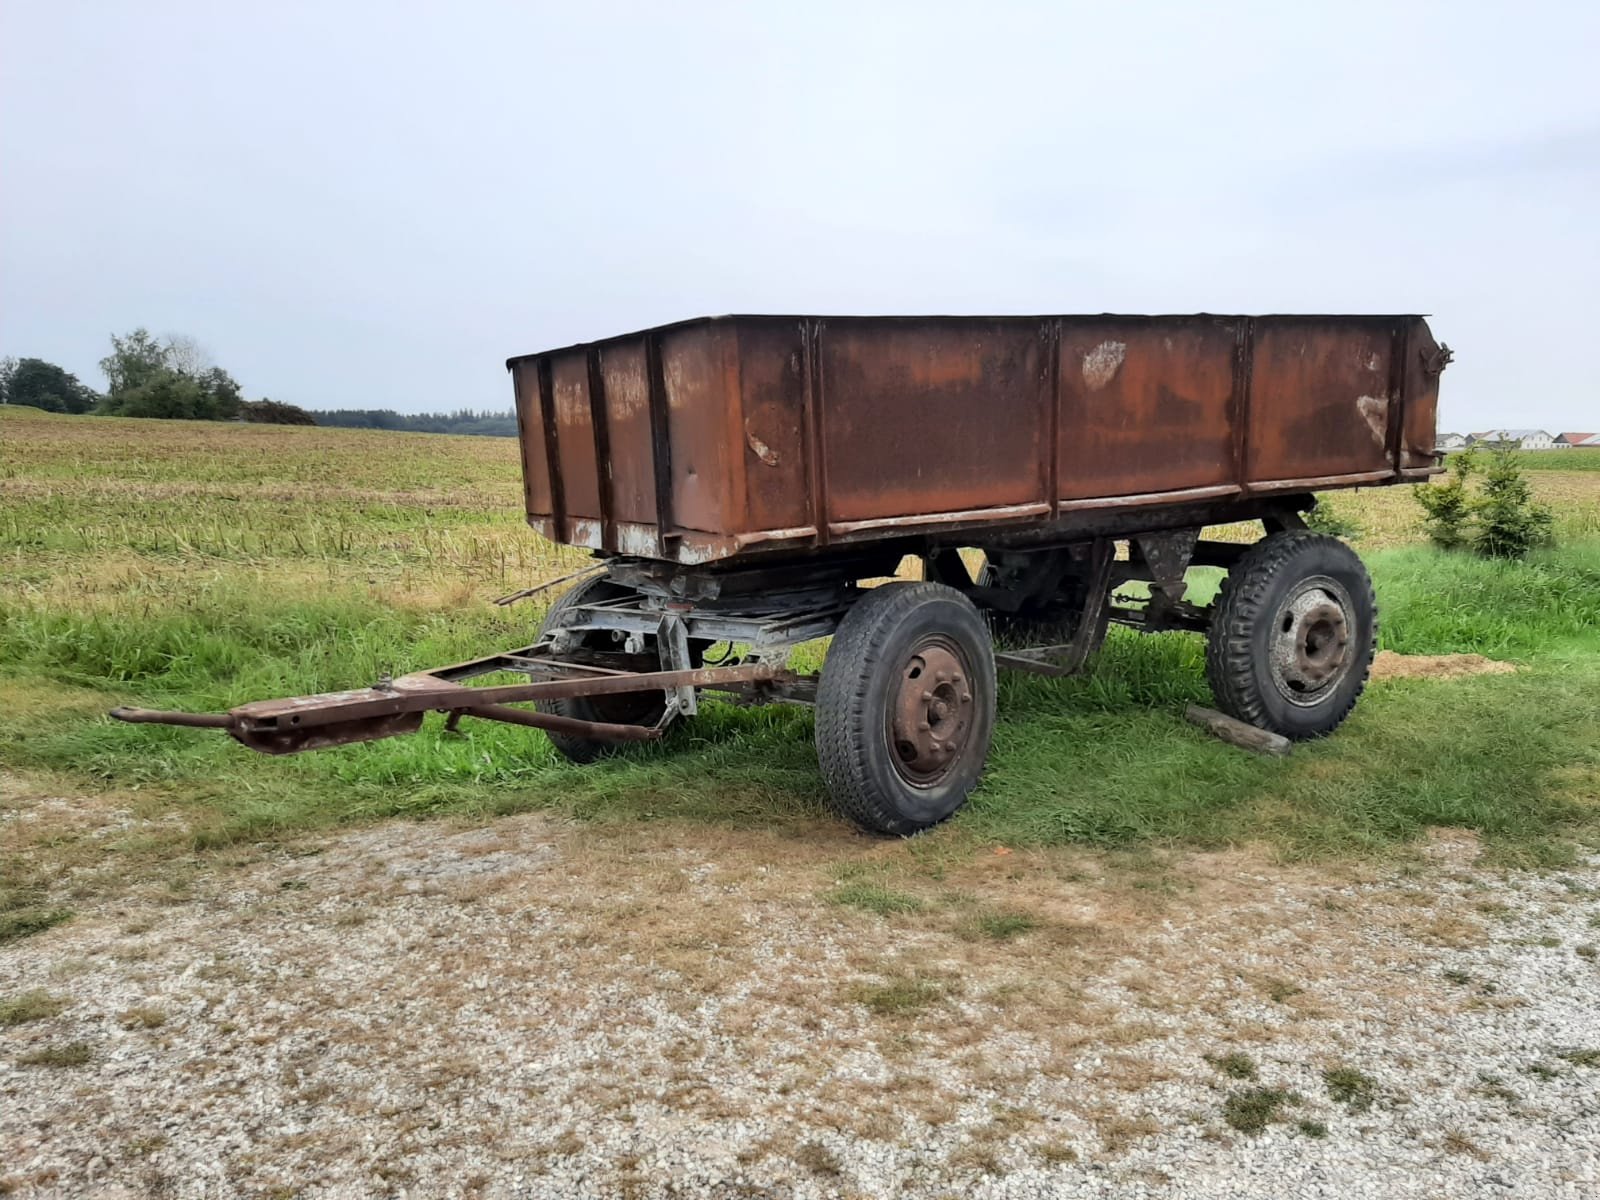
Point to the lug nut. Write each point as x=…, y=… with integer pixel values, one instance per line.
x=926, y=696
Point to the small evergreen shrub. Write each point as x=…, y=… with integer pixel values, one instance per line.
x=1499, y=520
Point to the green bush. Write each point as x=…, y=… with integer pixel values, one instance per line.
x=1449, y=505
x=1510, y=521
x=1325, y=518
x=1502, y=520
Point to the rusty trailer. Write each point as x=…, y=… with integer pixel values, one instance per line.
x=742, y=480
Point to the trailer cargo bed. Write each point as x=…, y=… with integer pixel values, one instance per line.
x=727, y=436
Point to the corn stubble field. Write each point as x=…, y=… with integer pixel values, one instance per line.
x=194, y=565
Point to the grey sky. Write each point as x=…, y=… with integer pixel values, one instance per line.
x=364, y=205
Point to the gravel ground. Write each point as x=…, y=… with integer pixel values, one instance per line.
x=536, y=1009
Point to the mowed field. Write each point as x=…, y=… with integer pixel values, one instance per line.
x=1135, y=946
x=196, y=565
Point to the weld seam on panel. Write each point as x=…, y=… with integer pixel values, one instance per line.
x=1320, y=481
x=1213, y=492
x=775, y=535
x=1003, y=512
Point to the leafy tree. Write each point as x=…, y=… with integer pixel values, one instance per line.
x=134, y=360
x=169, y=378
x=40, y=384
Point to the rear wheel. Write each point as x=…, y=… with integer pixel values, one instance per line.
x=623, y=708
x=1293, y=634
x=905, y=707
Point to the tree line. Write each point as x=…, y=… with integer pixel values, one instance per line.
x=173, y=378
x=464, y=420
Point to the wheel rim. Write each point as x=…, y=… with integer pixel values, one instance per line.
x=1312, y=641
x=930, y=716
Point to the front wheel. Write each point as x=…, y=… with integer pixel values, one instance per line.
x=1293, y=634
x=622, y=708
x=905, y=707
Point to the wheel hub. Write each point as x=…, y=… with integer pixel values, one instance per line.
x=1311, y=641
x=932, y=714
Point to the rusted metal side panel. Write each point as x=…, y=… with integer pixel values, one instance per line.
x=698, y=441
x=773, y=426
x=1145, y=405
x=1320, y=391
x=627, y=408
x=701, y=427
x=923, y=417
x=574, y=429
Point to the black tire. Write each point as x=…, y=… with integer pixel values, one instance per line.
x=1292, y=635
x=624, y=708
x=885, y=765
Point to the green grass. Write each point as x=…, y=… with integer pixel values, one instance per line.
x=35, y=1005
x=900, y=997
x=70, y=1054
x=1235, y=1065
x=1354, y=1089
x=999, y=925
x=1251, y=1110
x=874, y=898
x=143, y=569
x=1577, y=459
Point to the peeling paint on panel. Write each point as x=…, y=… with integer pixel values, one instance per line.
x=764, y=452
x=1374, y=411
x=1101, y=364
x=636, y=539
x=584, y=532
x=626, y=394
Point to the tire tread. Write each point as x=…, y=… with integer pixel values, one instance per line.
x=1241, y=606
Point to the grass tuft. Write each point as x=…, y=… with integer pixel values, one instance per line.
x=1581, y=1056
x=69, y=1054
x=819, y=1160
x=144, y=1016
x=901, y=996
x=36, y=1005
x=1235, y=1064
x=1251, y=1110
x=996, y=926
x=874, y=898
x=1354, y=1089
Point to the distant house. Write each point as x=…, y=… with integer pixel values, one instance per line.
x=1591, y=440
x=1450, y=441
x=1525, y=439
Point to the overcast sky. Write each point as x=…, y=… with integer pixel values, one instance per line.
x=365, y=205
